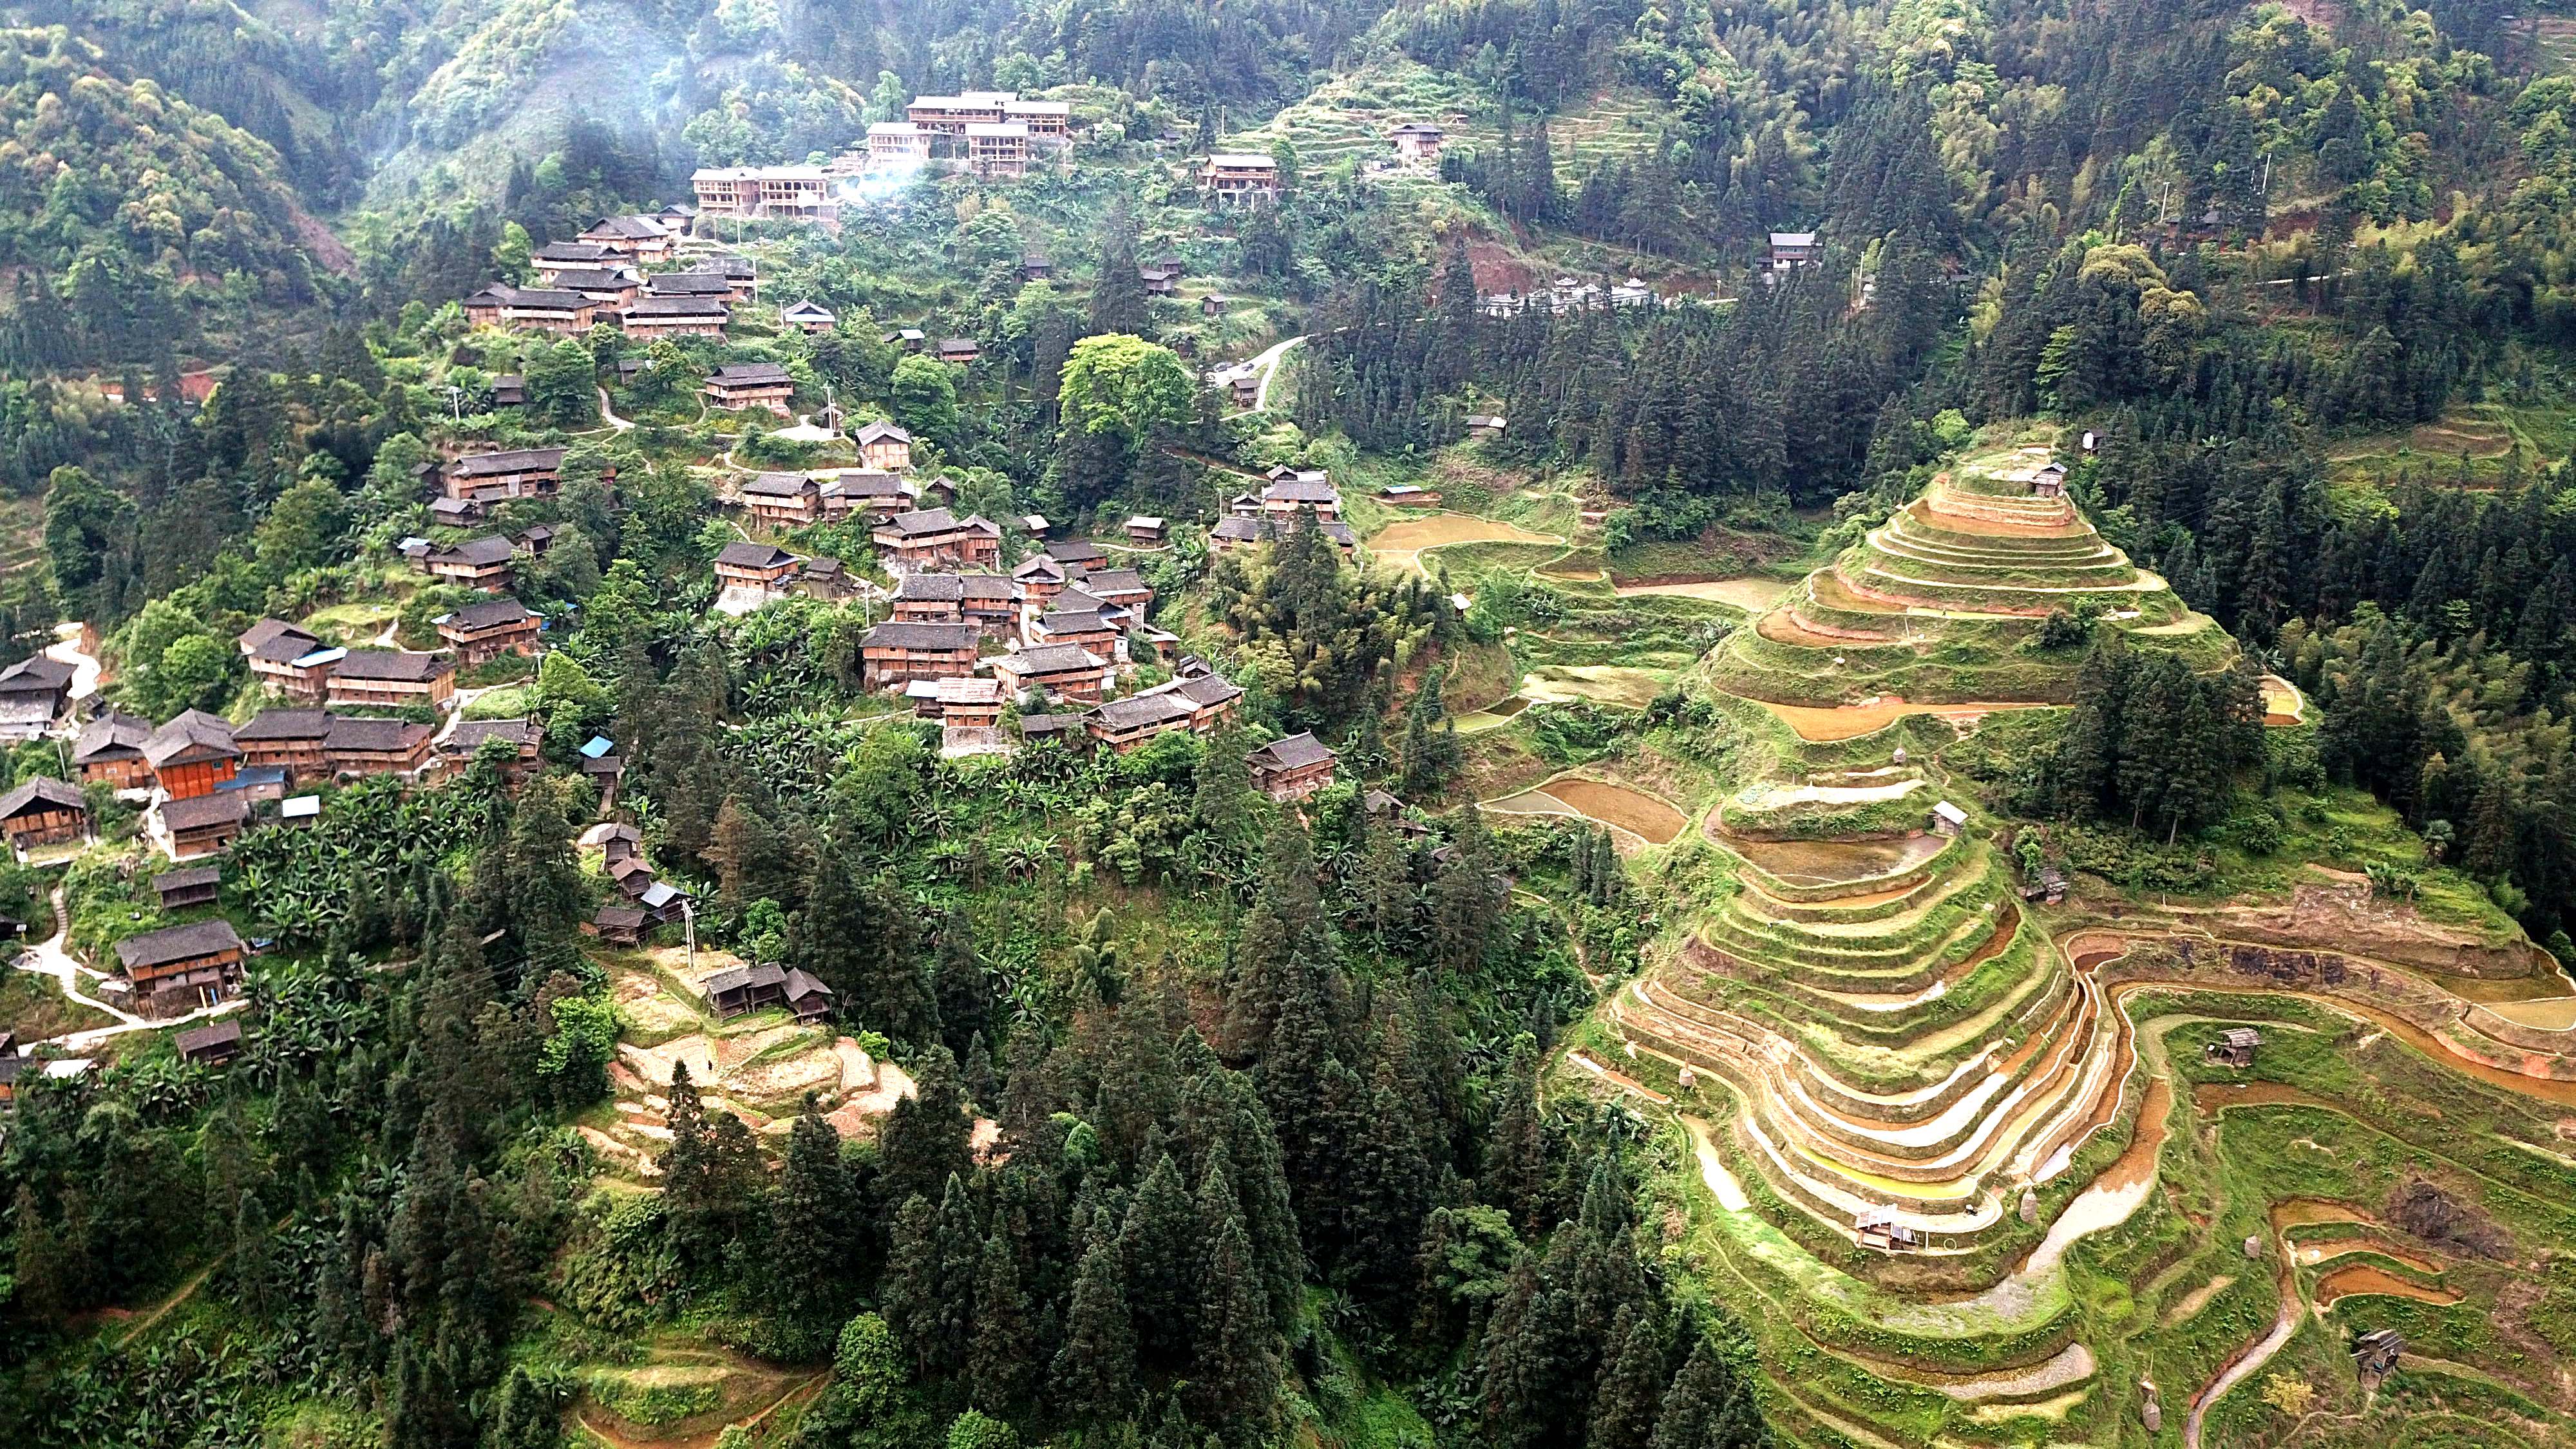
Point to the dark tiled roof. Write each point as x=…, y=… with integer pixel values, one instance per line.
x=1049, y=724
x=747, y=555
x=187, y=877
x=366, y=734
x=490, y=549
x=490, y=614
x=1075, y=550
x=194, y=730
x=1301, y=490
x=628, y=228
x=469, y=735
x=1141, y=711
x=37, y=673
x=285, y=724
x=779, y=485
x=224, y=1033
x=1053, y=659
x=1103, y=582
x=111, y=734
x=924, y=521
x=678, y=307
x=271, y=631
x=750, y=374
x=1207, y=689
x=800, y=985
x=516, y=460
x=868, y=483
x=202, y=812
x=1294, y=752
x=42, y=790
x=592, y=279
x=1061, y=622
x=883, y=433
x=687, y=284
x=571, y=251
x=901, y=635
x=618, y=918
x=930, y=589
x=178, y=943
x=387, y=664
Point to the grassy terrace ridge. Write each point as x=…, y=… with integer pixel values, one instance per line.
x=1857, y=1019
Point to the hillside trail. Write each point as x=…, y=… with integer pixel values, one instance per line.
x=50, y=958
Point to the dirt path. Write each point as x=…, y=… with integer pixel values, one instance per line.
x=2285, y=1324
x=1267, y=363
x=66, y=649
x=187, y=1290
x=49, y=958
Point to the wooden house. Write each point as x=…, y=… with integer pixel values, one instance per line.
x=611, y=287
x=2234, y=1047
x=618, y=925
x=1125, y=724
x=998, y=148
x=192, y=755
x=1037, y=582
x=464, y=744
x=33, y=692
x=1062, y=671
x=1878, y=1227
x=651, y=317
x=1285, y=496
x=1231, y=534
x=376, y=745
x=810, y=318
x=824, y=577
x=1088, y=630
x=493, y=477
x=805, y=997
x=958, y=351
x=203, y=825
x=1793, y=249
x=797, y=191
x=1947, y=819
x=43, y=811
x=893, y=654
x=390, y=679
x=558, y=254
x=509, y=390
x=964, y=702
x=1144, y=530
x=783, y=500
x=1213, y=701
x=933, y=538
x=1045, y=120
x=110, y=752
x=213, y=1045
x=884, y=447
x=288, y=659
x=1417, y=141
x=1119, y=589
x=750, y=384
x=1076, y=553
x=640, y=238
x=286, y=739
x=910, y=339
x=897, y=146
x=2375, y=1353
x=477, y=563
x=179, y=969
x=1063, y=728
x=2049, y=482
x=1485, y=425
x=984, y=600
x=615, y=841
x=1291, y=769
x=871, y=491
x=1237, y=177
x=1036, y=267
x=1160, y=279
x=745, y=989
x=541, y=309
x=951, y=115
x=189, y=885
x=481, y=633
x=762, y=566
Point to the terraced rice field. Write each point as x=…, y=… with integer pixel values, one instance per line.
x=1623, y=807
x=1402, y=543
x=1750, y=595
x=1929, y=1131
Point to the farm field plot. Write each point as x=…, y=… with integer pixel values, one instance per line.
x=1633, y=811
x=1402, y=543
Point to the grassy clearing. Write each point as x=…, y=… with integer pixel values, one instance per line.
x=33, y=1007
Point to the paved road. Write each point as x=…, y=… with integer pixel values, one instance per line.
x=1268, y=362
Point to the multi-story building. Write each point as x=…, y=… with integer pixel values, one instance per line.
x=545, y=309
x=1240, y=176
x=764, y=191
x=391, y=679
x=998, y=148
x=751, y=384
x=650, y=317
x=481, y=633
x=898, y=146
x=497, y=477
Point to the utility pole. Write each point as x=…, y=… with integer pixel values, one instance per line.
x=456, y=402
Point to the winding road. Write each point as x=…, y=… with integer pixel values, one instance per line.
x=49, y=958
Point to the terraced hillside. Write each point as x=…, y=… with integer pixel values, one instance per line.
x=1960, y=1154
x=1941, y=603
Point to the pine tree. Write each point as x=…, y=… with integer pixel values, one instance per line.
x=1001, y=1365
x=1235, y=1364
x=812, y=1219
x=1118, y=295
x=1629, y=1397
x=1158, y=1246
x=1708, y=1406
x=1095, y=1370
